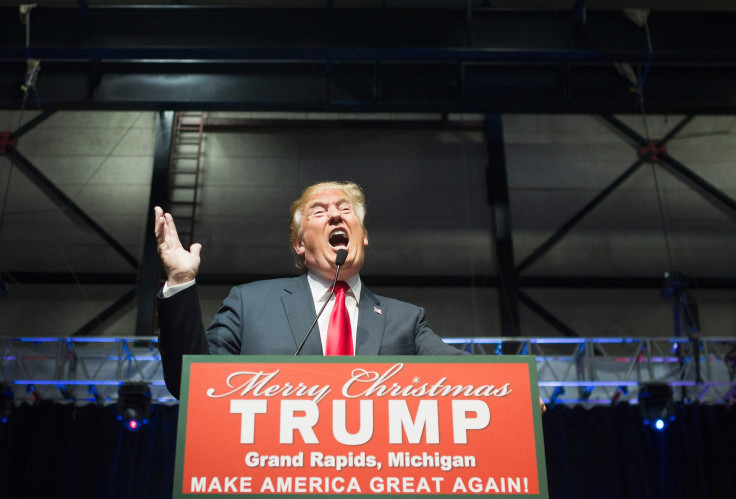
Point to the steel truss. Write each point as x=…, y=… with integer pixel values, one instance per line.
x=592, y=371
x=609, y=370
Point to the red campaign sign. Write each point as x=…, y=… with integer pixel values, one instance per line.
x=360, y=425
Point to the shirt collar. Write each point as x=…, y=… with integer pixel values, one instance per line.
x=321, y=288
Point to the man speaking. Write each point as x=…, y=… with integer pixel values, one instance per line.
x=273, y=317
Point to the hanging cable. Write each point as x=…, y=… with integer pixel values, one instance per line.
x=675, y=285
x=641, y=81
x=469, y=225
x=33, y=66
x=665, y=232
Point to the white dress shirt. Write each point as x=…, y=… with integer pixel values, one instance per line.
x=321, y=290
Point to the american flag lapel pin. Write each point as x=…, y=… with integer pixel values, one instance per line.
x=377, y=310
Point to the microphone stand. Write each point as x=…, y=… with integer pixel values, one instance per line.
x=339, y=261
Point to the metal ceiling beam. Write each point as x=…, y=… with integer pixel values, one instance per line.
x=111, y=278
x=313, y=34
x=718, y=198
x=417, y=281
x=623, y=129
x=95, y=324
x=437, y=122
x=362, y=34
x=575, y=219
x=708, y=191
x=677, y=128
x=148, y=274
x=547, y=316
x=419, y=59
x=64, y=203
x=352, y=87
x=498, y=199
x=639, y=140
x=31, y=124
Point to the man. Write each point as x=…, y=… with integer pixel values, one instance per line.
x=272, y=317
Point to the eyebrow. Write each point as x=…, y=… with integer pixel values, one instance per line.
x=318, y=203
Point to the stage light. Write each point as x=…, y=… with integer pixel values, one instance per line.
x=656, y=405
x=6, y=402
x=134, y=405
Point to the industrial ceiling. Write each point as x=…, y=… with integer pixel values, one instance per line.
x=641, y=78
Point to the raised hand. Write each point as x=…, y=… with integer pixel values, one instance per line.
x=179, y=264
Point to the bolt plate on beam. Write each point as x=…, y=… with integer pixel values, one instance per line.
x=6, y=138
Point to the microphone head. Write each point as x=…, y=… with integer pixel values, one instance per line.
x=341, y=256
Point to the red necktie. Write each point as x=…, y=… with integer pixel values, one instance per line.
x=339, y=333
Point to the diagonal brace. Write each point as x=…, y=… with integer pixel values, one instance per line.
x=547, y=316
x=713, y=195
x=697, y=183
x=27, y=127
x=642, y=141
x=568, y=226
x=646, y=148
x=98, y=321
x=64, y=202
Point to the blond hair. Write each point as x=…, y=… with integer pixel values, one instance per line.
x=354, y=194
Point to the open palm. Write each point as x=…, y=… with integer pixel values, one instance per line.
x=181, y=265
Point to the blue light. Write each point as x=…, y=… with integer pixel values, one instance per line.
x=659, y=424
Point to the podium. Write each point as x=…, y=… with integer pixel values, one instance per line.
x=384, y=425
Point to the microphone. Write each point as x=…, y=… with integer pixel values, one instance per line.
x=342, y=255
x=339, y=261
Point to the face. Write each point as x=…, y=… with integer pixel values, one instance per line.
x=329, y=224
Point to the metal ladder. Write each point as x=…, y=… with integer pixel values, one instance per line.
x=184, y=170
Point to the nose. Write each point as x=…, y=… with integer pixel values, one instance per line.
x=333, y=213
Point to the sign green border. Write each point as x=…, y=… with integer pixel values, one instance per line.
x=188, y=360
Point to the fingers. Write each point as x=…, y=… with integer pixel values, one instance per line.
x=165, y=230
x=195, y=249
x=158, y=224
x=172, y=235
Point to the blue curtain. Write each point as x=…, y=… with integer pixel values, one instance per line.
x=51, y=450
x=606, y=452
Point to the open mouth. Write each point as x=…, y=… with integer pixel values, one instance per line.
x=339, y=239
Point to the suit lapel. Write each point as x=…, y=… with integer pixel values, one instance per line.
x=299, y=309
x=371, y=324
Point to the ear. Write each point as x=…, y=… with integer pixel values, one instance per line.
x=365, y=240
x=299, y=248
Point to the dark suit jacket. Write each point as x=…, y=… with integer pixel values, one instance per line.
x=271, y=318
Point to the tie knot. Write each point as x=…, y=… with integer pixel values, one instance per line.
x=341, y=286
